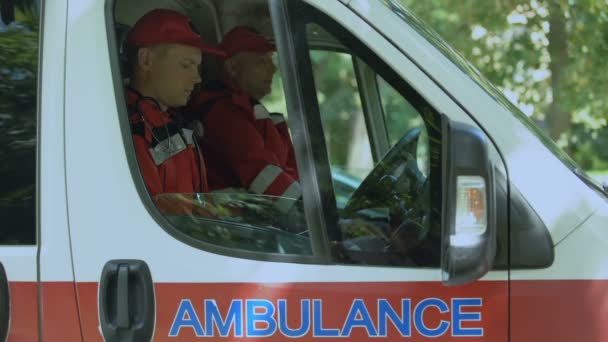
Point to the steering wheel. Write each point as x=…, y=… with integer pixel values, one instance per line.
x=396, y=183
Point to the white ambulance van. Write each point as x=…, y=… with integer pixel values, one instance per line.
x=432, y=208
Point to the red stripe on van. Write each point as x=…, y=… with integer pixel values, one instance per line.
x=337, y=299
x=60, y=321
x=24, y=311
x=89, y=317
x=541, y=310
x=559, y=310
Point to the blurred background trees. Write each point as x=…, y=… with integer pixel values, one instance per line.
x=547, y=56
x=18, y=98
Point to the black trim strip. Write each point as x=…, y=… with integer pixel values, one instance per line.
x=5, y=305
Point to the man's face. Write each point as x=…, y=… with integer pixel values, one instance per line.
x=253, y=73
x=173, y=71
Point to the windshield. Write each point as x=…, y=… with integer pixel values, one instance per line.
x=455, y=57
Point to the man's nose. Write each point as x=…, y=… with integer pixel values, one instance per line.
x=197, y=77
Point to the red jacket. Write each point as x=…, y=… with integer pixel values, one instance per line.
x=245, y=147
x=168, y=160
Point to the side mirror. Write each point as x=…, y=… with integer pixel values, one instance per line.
x=469, y=205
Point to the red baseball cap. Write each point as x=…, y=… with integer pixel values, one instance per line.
x=162, y=26
x=244, y=39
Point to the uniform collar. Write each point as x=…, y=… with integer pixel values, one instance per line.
x=239, y=96
x=146, y=108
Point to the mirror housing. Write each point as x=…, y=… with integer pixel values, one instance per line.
x=469, y=229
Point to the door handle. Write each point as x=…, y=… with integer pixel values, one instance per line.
x=122, y=298
x=5, y=307
x=126, y=301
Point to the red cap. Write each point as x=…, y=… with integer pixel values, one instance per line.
x=162, y=26
x=244, y=39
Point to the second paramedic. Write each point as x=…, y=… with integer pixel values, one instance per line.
x=165, y=55
x=246, y=147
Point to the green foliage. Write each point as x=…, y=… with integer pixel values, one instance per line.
x=547, y=56
x=18, y=97
x=339, y=102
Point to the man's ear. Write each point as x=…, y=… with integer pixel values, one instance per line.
x=144, y=58
x=230, y=65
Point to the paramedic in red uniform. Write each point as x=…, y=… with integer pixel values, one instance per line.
x=246, y=147
x=164, y=57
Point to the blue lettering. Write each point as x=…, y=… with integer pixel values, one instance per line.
x=386, y=311
x=318, y=331
x=186, y=318
x=419, y=320
x=458, y=317
x=254, y=317
x=358, y=316
x=305, y=319
x=233, y=321
x=261, y=320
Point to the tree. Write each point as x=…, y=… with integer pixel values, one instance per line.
x=547, y=56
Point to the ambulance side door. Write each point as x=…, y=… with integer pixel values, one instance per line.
x=236, y=267
x=342, y=76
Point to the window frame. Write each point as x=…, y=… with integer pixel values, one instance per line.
x=318, y=195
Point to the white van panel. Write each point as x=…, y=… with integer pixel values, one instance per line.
x=55, y=250
x=19, y=263
x=581, y=256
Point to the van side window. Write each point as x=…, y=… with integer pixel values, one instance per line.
x=18, y=118
x=236, y=211
x=384, y=203
x=374, y=150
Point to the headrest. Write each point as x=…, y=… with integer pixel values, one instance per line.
x=122, y=31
